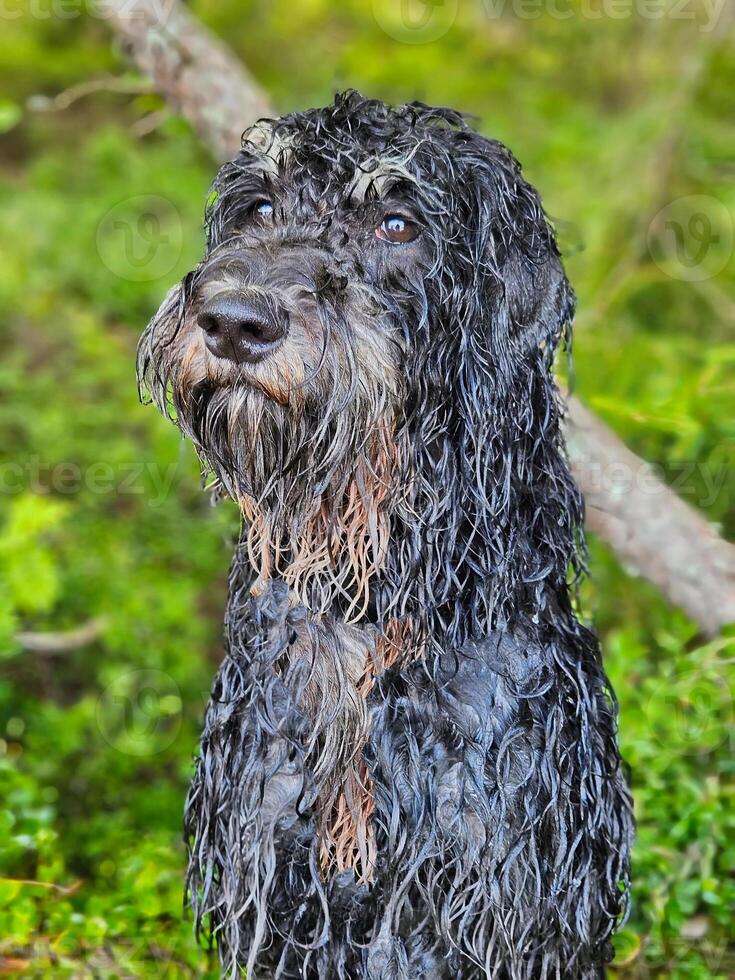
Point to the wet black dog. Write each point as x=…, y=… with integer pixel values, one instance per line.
x=409, y=767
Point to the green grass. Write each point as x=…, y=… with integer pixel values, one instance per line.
x=101, y=513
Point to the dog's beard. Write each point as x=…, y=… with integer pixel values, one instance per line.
x=316, y=478
x=306, y=440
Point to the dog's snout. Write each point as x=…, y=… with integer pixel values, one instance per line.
x=241, y=326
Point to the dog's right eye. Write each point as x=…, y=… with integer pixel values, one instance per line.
x=397, y=230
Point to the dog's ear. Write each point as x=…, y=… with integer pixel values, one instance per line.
x=495, y=509
x=524, y=282
x=535, y=302
x=156, y=357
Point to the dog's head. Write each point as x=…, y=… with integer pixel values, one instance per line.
x=376, y=280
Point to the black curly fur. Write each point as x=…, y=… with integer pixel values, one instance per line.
x=400, y=466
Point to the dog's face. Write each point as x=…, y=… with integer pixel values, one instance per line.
x=297, y=296
x=356, y=255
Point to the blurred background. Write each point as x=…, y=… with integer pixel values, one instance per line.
x=113, y=562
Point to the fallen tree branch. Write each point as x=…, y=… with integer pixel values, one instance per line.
x=653, y=532
x=107, y=83
x=200, y=78
x=50, y=644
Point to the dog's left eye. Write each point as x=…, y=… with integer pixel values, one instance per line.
x=397, y=230
x=263, y=209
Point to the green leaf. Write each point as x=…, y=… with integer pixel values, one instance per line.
x=10, y=115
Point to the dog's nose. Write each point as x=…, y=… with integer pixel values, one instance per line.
x=242, y=327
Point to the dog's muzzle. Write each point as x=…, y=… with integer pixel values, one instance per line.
x=242, y=326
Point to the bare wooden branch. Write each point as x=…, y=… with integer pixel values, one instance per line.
x=199, y=76
x=107, y=83
x=50, y=644
x=653, y=532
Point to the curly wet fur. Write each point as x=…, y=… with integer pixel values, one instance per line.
x=409, y=765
